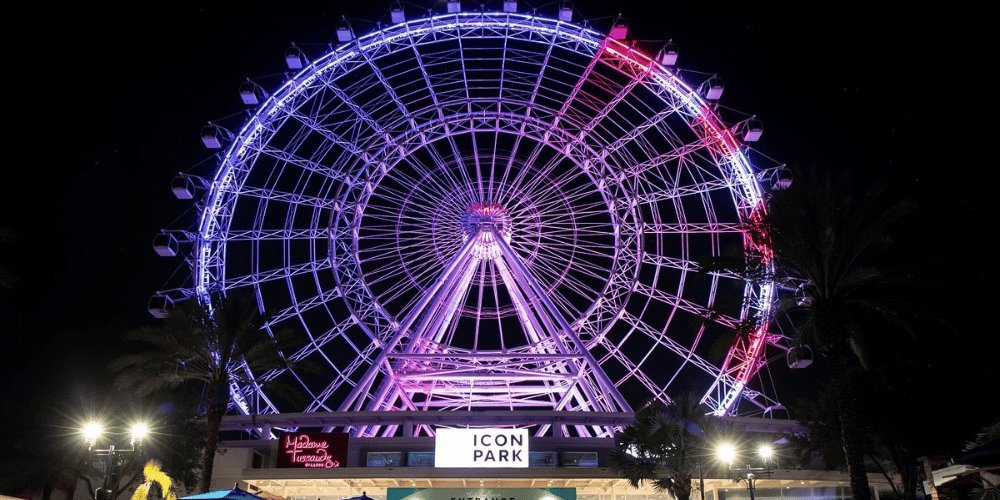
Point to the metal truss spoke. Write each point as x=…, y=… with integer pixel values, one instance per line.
x=279, y=273
x=301, y=306
x=687, y=305
x=270, y=235
x=677, y=348
x=693, y=228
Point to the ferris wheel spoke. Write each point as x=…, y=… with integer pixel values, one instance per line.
x=559, y=273
x=316, y=344
x=440, y=159
x=419, y=58
x=577, y=199
x=655, y=169
x=436, y=184
x=541, y=182
x=390, y=91
x=379, y=247
x=310, y=234
x=693, y=228
x=311, y=123
x=398, y=280
x=506, y=181
x=561, y=194
x=520, y=184
x=652, y=196
x=564, y=244
x=577, y=87
x=418, y=199
x=687, y=305
x=530, y=104
x=279, y=273
x=397, y=289
x=357, y=111
x=607, y=108
x=673, y=263
x=301, y=306
x=420, y=278
x=345, y=377
x=381, y=273
x=655, y=120
x=632, y=368
x=285, y=157
x=672, y=345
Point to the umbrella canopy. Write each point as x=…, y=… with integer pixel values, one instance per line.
x=364, y=496
x=233, y=494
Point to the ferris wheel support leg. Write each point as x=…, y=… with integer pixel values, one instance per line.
x=535, y=326
x=521, y=273
x=588, y=400
x=355, y=400
x=432, y=327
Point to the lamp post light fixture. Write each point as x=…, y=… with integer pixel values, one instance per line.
x=92, y=432
x=750, y=473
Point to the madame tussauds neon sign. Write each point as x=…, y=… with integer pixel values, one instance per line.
x=313, y=450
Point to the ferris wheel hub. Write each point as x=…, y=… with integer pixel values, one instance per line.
x=483, y=217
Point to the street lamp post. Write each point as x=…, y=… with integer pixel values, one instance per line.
x=728, y=454
x=91, y=433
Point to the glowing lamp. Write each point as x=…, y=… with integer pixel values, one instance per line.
x=726, y=453
x=138, y=432
x=92, y=432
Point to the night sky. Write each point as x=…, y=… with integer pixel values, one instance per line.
x=109, y=102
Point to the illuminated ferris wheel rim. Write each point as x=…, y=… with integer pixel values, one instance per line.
x=334, y=60
x=383, y=151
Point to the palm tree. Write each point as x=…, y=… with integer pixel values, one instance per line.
x=663, y=446
x=832, y=247
x=211, y=347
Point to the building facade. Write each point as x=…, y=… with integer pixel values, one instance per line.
x=558, y=465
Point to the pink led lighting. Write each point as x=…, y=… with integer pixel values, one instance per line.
x=745, y=353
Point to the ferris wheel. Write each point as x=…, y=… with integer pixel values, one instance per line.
x=487, y=210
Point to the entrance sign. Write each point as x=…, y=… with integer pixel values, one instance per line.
x=480, y=493
x=323, y=450
x=481, y=448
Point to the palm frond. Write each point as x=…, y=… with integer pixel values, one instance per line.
x=660, y=445
x=210, y=344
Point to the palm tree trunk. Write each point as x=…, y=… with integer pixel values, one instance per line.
x=213, y=420
x=682, y=486
x=850, y=427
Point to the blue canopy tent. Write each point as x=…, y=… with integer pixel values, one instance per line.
x=233, y=494
x=237, y=494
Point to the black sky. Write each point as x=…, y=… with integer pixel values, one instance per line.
x=109, y=101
